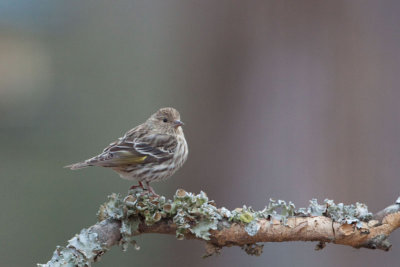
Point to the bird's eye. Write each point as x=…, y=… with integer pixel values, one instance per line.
x=165, y=120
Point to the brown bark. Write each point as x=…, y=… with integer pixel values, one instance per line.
x=93, y=242
x=371, y=235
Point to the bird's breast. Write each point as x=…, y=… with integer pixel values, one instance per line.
x=181, y=152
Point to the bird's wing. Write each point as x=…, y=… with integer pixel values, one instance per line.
x=133, y=150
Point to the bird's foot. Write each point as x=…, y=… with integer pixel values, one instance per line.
x=134, y=189
x=137, y=186
x=151, y=190
x=149, y=193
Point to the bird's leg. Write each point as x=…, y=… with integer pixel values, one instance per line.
x=151, y=190
x=137, y=186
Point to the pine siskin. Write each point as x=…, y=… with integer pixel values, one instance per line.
x=150, y=152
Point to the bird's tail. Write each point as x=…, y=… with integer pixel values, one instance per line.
x=77, y=166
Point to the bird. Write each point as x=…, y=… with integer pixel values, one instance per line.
x=151, y=152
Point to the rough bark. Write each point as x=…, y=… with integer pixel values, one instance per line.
x=228, y=230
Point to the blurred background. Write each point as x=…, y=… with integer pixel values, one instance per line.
x=281, y=99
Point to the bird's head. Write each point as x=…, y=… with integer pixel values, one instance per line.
x=167, y=120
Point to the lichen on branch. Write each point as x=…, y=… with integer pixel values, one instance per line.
x=191, y=216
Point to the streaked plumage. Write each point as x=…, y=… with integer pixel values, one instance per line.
x=150, y=152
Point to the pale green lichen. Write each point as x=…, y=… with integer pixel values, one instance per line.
x=314, y=209
x=246, y=217
x=252, y=228
x=81, y=249
x=379, y=241
x=63, y=256
x=225, y=212
x=191, y=213
x=202, y=228
x=86, y=243
x=111, y=208
x=243, y=215
x=194, y=214
x=128, y=229
x=278, y=210
x=344, y=214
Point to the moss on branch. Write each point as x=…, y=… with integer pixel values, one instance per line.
x=191, y=216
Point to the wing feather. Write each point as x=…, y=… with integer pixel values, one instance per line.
x=133, y=151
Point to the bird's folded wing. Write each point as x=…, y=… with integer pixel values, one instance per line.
x=133, y=151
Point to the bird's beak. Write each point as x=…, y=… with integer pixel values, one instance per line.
x=178, y=123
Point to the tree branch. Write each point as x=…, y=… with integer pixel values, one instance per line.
x=190, y=216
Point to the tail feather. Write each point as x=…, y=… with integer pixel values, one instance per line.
x=77, y=166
